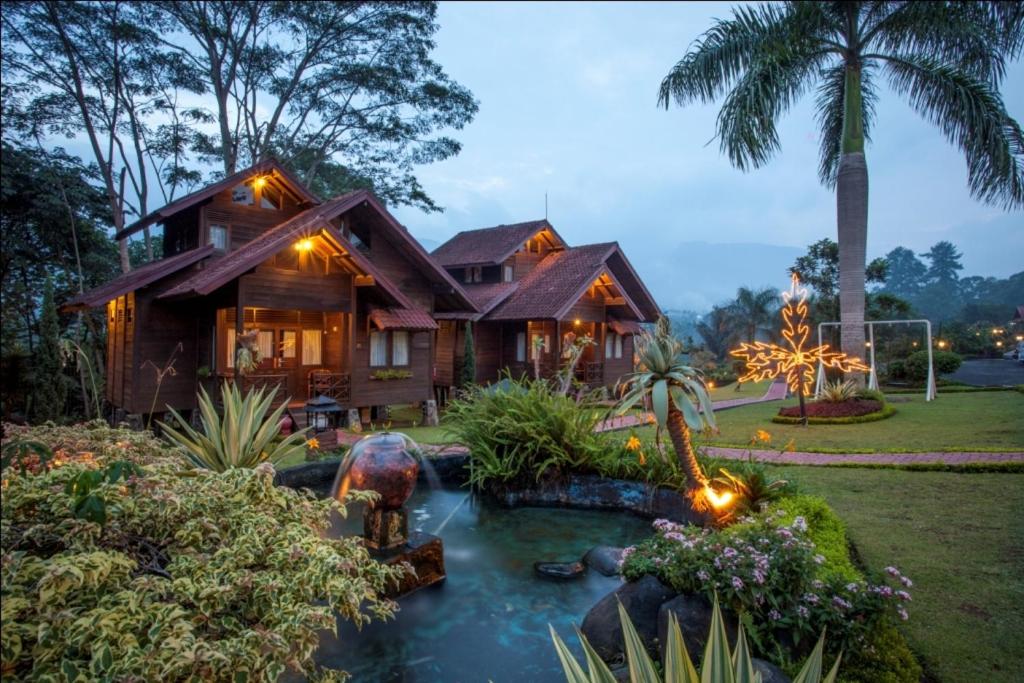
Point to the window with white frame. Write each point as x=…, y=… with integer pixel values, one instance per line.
x=400, y=347
x=520, y=347
x=609, y=344
x=242, y=194
x=537, y=344
x=219, y=236
x=288, y=340
x=312, y=341
x=265, y=343
x=378, y=349
x=618, y=346
x=507, y=273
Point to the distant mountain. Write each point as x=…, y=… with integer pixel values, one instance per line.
x=427, y=243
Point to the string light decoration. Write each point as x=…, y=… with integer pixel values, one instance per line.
x=793, y=359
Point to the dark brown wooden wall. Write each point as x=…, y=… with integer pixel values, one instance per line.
x=161, y=327
x=615, y=368
x=444, y=353
x=367, y=392
x=121, y=325
x=245, y=222
x=271, y=287
x=590, y=309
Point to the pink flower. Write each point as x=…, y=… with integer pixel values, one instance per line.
x=774, y=615
x=903, y=595
x=906, y=582
x=803, y=612
x=903, y=614
x=892, y=571
x=737, y=583
x=703, y=575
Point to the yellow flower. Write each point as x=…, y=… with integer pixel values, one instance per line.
x=642, y=458
x=313, y=444
x=761, y=436
x=790, y=446
x=633, y=444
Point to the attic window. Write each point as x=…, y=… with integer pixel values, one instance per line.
x=474, y=274
x=507, y=273
x=242, y=194
x=270, y=198
x=219, y=236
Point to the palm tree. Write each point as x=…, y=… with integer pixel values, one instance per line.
x=716, y=332
x=675, y=390
x=946, y=58
x=754, y=311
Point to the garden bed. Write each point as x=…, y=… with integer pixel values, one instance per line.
x=837, y=413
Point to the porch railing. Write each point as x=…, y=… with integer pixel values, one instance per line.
x=336, y=385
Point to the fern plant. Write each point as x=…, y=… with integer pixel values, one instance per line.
x=243, y=437
x=719, y=664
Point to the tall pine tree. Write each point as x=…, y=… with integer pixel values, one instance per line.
x=50, y=389
x=468, y=377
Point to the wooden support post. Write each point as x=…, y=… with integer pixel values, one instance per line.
x=239, y=326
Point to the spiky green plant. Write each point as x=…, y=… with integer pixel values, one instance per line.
x=676, y=390
x=839, y=391
x=243, y=437
x=719, y=665
x=752, y=487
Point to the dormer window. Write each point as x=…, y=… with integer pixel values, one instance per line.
x=219, y=236
x=507, y=273
x=474, y=274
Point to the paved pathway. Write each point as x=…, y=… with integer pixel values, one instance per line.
x=776, y=391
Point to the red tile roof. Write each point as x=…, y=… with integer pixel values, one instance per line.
x=265, y=166
x=555, y=284
x=138, y=278
x=488, y=246
x=402, y=319
x=624, y=327
x=488, y=295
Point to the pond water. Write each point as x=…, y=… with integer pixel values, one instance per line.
x=489, y=619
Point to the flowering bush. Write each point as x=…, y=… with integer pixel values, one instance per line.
x=768, y=573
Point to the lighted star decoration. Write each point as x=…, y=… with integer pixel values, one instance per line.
x=793, y=359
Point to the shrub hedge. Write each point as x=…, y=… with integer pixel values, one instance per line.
x=887, y=411
x=194, y=575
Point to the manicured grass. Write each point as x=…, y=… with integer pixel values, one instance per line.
x=960, y=538
x=960, y=422
x=745, y=390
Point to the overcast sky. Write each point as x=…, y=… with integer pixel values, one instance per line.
x=568, y=106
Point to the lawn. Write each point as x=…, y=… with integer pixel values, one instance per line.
x=960, y=538
x=960, y=422
x=744, y=390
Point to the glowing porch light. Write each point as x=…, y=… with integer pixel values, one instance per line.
x=304, y=245
x=259, y=181
x=718, y=500
x=576, y=321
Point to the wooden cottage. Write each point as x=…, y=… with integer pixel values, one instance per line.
x=535, y=296
x=337, y=296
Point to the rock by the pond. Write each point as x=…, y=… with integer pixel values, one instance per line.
x=769, y=672
x=559, y=570
x=641, y=599
x=694, y=615
x=604, y=559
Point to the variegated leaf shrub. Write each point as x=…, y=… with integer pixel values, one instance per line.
x=195, y=575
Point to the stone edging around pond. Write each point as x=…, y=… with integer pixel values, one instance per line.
x=579, y=491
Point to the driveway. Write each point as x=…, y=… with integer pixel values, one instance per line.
x=989, y=372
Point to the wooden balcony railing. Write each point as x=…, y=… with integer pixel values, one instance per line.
x=337, y=385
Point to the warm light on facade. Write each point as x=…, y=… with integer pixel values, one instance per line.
x=941, y=344
x=259, y=182
x=576, y=321
x=304, y=245
x=718, y=500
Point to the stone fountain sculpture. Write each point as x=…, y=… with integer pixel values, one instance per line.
x=385, y=463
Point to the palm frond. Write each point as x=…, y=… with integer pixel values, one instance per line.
x=971, y=114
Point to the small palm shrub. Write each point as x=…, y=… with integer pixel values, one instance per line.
x=519, y=430
x=752, y=487
x=717, y=664
x=839, y=391
x=243, y=437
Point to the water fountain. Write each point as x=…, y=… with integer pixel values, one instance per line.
x=384, y=463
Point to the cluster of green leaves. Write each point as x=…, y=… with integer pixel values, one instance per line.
x=196, y=575
x=519, y=430
x=718, y=665
x=87, y=499
x=825, y=529
x=244, y=436
x=752, y=485
x=391, y=373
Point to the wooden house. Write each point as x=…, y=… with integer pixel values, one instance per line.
x=340, y=299
x=535, y=295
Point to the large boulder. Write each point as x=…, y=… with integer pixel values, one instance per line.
x=694, y=615
x=604, y=559
x=641, y=599
x=769, y=672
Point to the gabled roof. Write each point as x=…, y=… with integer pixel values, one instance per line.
x=262, y=168
x=489, y=246
x=558, y=282
x=282, y=236
x=138, y=278
x=488, y=295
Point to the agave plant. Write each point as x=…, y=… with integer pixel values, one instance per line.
x=719, y=664
x=243, y=437
x=839, y=391
x=676, y=390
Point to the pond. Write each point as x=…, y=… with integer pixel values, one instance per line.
x=489, y=619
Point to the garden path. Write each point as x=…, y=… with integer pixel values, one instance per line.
x=862, y=458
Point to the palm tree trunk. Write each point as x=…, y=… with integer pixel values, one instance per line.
x=679, y=432
x=852, y=220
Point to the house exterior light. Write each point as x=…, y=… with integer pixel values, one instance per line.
x=304, y=245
